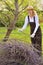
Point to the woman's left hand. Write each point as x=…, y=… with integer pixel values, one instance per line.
x=32, y=35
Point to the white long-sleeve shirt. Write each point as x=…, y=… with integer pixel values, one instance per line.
x=31, y=20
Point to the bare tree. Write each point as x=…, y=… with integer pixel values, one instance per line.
x=16, y=12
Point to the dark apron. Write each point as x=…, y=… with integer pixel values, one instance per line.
x=37, y=40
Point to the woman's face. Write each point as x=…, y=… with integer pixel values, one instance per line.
x=30, y=12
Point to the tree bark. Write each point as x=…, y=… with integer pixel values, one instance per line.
x=12, y=24
x=10, y=28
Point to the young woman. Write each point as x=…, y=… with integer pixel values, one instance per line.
x=35, y=34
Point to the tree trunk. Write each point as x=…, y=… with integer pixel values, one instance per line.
x=12, y=24
x=10, y=28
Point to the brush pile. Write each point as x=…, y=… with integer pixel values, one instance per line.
x=17, y=53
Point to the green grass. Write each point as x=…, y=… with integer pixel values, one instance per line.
x=22, y=36
x=16, y=35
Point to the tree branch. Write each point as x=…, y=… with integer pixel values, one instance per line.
x=9, y=8
x=16, y=7
x=21, y=3
x=23, y=9
x=4, y=23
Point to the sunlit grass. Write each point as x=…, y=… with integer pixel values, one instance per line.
x=22, y=36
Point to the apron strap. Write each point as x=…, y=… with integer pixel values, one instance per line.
x=29, y=19
x=34, y=18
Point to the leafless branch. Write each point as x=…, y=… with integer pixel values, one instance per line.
x=21, y=3
x=9, y=8
x=16, y=7
x=23, y=9
x=4, y=23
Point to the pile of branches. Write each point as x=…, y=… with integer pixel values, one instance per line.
x=17, y=53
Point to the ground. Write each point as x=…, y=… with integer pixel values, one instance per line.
x=22, y=36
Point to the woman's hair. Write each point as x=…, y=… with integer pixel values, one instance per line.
x=34, y=13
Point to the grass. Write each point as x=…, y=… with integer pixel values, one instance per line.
x=22, y=36
x=16, y=35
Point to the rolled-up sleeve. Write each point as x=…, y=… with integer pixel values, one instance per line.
x=26, y=23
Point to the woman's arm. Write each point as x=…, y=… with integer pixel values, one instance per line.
x=37, y=25
x=25, y=24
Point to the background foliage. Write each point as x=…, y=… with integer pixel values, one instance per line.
x=7, y=11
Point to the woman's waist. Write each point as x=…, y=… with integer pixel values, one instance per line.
x=38, y=30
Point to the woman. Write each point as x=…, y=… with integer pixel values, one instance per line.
x=36, y=36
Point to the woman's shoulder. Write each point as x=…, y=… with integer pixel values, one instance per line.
x=26, y=17
x=36, y=15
